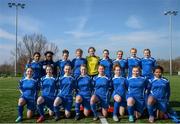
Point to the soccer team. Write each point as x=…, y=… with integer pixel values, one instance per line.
x=134, y=84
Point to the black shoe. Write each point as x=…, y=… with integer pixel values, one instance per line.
x=77, y=117
x=95, y=118
x=56, y=118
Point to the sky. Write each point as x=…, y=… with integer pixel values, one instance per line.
x=104, y=24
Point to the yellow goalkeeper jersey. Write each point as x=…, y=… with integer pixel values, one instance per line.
x=92, y=65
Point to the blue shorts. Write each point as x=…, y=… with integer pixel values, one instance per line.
x=160, y=104
x=49, y=102
x=123, y=101
x=139, y=103
x=31, y=104
x=104, y=101
x=85, y=102
x=66, y=102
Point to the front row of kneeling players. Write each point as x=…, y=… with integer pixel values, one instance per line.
x=135, y=94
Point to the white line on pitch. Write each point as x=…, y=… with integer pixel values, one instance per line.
x=102, y=119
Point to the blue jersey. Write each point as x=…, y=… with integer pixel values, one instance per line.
x=123, y=64
x=160, y=88
x=37, y=69
x=61, y=64
x=29, y=88
x=147, y=66
x=84, y=85
x=101, y=85
x=45, y=63
x=76, y=64
x=107, y=63
x=137, y=87
x=49, y=87
x=132, y=62
x=66, y=85
x=119, y=86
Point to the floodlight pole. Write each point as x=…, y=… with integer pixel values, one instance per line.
x=170, y=14
x=21, y=6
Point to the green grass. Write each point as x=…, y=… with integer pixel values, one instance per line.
x=9, y=96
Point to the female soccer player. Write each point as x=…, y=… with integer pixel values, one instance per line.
x=48, y=93
x=133, y=61
x=28, y=88
x=65, y=61
x=48, y=61
x=159, y=94
x=77, y=62
x=122, y=62
x=65, y=95
x=119, y=93
x=101, y=92
x=36, y=66
x=107, y=63
x=148, y=64
x=137, y=88
x=84, y=90
x=92, y=62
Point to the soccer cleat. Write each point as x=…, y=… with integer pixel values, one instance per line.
x=131, y=118
x=19, y=119
x=40, y=119
x=151, y=119
x=77, y=117
x=95, y=118
x=56, y=118
x=115, y=118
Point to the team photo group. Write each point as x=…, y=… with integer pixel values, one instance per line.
x=134, y=86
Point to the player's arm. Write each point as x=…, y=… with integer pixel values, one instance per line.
x=20, y=86
x=168, y=91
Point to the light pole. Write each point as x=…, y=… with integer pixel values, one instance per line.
x=16, y=5
x=170, y=14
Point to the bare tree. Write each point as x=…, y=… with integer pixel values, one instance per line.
x=30, y=44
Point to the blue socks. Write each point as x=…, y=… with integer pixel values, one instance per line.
x=150, y=110
x=131, y=110
x=20, y=111
x=56, y=111
x=41, y=109
x=116, y=108
x=93, y=108
x=77, y=108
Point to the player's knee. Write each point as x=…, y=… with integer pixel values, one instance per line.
x=78, y=99
x=130, y=101
x=117, y=98
x=21, y=102
x=67, y=114
x=57, y=101
x=93, y=99
x=151, y=100
x=40, y=100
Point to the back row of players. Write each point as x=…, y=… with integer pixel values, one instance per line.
x=93, y=83
x=147, y=63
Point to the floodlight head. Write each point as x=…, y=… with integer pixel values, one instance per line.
x=13, y=4
x=23, y=5
x=167, y=12
x=19, y=4
x=175, y=13
x=10, y=4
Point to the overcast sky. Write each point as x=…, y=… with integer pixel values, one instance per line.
x=112, y=24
